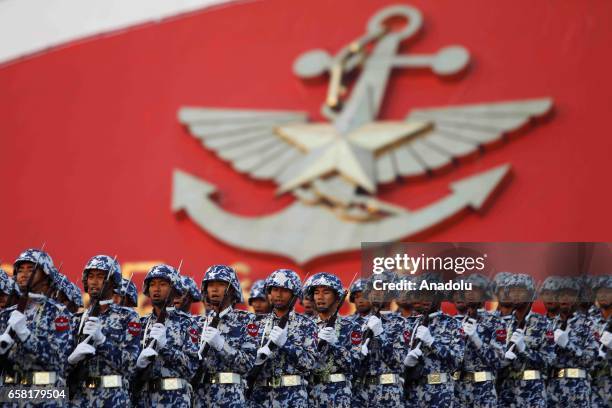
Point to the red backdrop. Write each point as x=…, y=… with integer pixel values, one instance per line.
x=89, y=136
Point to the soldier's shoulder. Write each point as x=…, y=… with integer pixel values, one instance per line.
x=125, y=312
x=56, y=307
x=304, y=321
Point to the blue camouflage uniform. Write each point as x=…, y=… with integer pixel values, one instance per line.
x=8, y=286
x=282, y=382
x=168, y=375
x=114, y=357
x=330, y=384
x=475, y=381
x=601, y=373
x=224, y=367
x=523, y=379
x=46, y=344
x=128, y=291
x=190, y=286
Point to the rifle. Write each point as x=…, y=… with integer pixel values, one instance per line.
x=368, y=335
x=22, y=303
x=204, y=348
x=521, y=325
x=412, y=374
x=124, y=292
x=80, y=370
x=331, y=322
x=256, y=370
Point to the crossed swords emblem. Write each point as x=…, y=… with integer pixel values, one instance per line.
x=333, y=168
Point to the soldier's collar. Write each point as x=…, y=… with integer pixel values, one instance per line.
x=106, y=302
x=36, y=296
x=434, y=314
x=385, y=312
x=225, y=311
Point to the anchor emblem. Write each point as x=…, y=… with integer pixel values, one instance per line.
x=333, y=168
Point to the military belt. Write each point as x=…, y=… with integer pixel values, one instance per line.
x=570, y=373
x=104, y=381
x=167, y=384
x=283, y=381
x=224, y=378
x=328, y=378
x=31, y=378
x=477, y=376
x=382, y=379
x=436, y=378
x=527, y=375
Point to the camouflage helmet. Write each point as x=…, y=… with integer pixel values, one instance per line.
x=379, y=279
x=284, y=278
x=7, y=285
x=257, y=290
x=323, y=279
x=103, y=263
x=570, y=283
x=406, y=295
x=477, y=280
x=35, y=256
x=522, y=280
x=357, y=286
x=165, y=272
x=71, y=291
x=550, y=284
x=223, y=273
x=602, y=282
x=501, y=280
x=128, y=290
x=191, y=288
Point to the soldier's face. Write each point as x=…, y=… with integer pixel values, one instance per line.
x=567, y=300
x=159, y=290
x=95, y=282
x=23, y=274
x=604, y=298
x=459, y=301
x=476, y=295
x=324, y=298
x=308, y=306
x=280, y=297
x=215, y=290
x=518, y=295
x=260, y=306
x=362, y=304
x=549, y=298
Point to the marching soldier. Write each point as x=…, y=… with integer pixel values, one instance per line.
x=126, y=295
x=337, y=345
x=168, y=358
x=575, y=350
x=378, y=377
x=258, y=299
x=504, y=305
x=228, y=341
x=362, y=304
x=36, y=340
x=484, y=349
x=191, y=294
x=405, y=299
x=287, y=354
x=431, y=349
x=601, y=374
x=529, y=347
x=106, y=340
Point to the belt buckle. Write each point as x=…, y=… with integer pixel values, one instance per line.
x=171, y=384
x=387, y=379
x=435, y=378
x=43, y=377
x=110, y=381
x=225, y=378
x=572, y=372
x=480, y=376
x=530, y=375
x=290, y=380
x=337, y=377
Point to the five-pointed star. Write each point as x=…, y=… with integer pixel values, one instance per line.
x=352, y=156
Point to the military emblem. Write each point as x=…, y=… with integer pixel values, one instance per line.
x=334, y=168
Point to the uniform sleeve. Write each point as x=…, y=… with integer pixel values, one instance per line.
x=300, y=347
x=343, y=352
x=582, y=345
x=448, y=344
x=492, y=349
x=240, y=346
x=539, y=348
x=183, y=358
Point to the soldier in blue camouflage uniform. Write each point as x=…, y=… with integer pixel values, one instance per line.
x=378, y=376
x=226, y=352
x=601, y=383
x=258, y=299
x=9, y=291
x=485, y=336
x=575, y=351
x=105, y=347
x=529, y=351
x=191, y=294
x=36, y=342
x=330, y=384
x=286, y=366
x=168, y=358
x=126, y=295
x=504, y=306
x=436, y=348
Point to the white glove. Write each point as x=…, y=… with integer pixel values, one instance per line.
x=470, y=329
x=510, y=355
x=81, y=351
x=278, y=336
x=213, y=337
x=6, y=338
x=93, y=328
x=158, y=333
x=413, y=356
x=518, y=338
x=143, y=357
x=262, y=354
x=364, y=348
x=606, y=339
x=562, y=337
x=424, y=335
x=17, y=321
x=329, y=335
x=375, y=324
